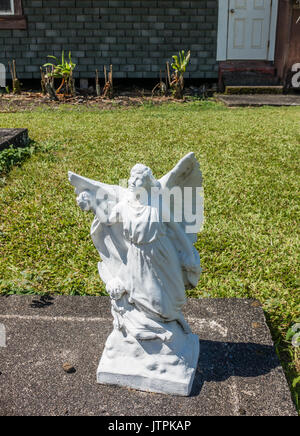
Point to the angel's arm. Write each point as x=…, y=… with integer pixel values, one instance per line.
x=86, y=202
x=115, y=215
x=96, y=197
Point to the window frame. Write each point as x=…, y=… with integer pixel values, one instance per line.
x=12, y=7
x=15, y=20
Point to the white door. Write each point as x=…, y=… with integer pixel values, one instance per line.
x=248, y=29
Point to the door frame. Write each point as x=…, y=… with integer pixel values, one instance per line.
x=222, y=40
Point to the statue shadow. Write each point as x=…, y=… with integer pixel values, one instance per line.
x=44, y=301
x=220, y=360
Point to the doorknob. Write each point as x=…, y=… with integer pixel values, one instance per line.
x=232, y=11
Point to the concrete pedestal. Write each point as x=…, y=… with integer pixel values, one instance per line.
x=238, y=372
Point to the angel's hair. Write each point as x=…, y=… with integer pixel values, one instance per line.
x=145, y=172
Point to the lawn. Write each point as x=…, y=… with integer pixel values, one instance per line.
x=250, y=162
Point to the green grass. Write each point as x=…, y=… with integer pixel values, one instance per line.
x=250, y=161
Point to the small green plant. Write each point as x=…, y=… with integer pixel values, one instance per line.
x=293, y=337
x=63, y=70
x=14, y=156
x=179, y=66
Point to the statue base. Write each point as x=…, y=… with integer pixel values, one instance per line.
x=151, y=365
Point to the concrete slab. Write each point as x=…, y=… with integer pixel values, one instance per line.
x=259, y=100
x=15, y=137
x=238, y=371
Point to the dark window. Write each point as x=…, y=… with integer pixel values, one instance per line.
x=7, y=6
x=11, y=15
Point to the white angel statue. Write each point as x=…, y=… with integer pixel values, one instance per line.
x=148, y=260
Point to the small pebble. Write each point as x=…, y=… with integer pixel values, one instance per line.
x=242, y=412
x=67, y=367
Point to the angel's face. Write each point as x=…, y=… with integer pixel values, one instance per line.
x=137, y=181
x=138, y=178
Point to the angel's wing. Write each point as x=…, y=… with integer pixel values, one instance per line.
x=187, y=176
x=108, y=240
x=188, y=205
x=185, y=173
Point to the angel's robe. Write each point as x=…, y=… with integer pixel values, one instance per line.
x=152, y=274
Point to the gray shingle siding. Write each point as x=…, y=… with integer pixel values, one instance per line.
x=136, y=36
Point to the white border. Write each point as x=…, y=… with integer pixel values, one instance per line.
x=223, y=30
x=273, y=27
x=12, y=12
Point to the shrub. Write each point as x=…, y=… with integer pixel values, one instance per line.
x=14, y=156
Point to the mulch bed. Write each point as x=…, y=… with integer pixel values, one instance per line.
x=28, y=101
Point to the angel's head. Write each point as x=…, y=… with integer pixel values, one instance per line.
x=141, y=177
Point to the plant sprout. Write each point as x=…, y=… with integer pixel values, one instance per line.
x=62, y=70
x=179, y=65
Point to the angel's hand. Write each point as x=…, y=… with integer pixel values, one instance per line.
x=194, y=268
x=189, y=263
x=115, y=288
x=84, y=201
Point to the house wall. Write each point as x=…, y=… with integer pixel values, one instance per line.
x=283, y=36
x=137, y=37
x=294, y=51
x=288, y=39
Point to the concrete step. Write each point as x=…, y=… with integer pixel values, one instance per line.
x=14, y=137
x=250, y=78
x=257, y=100
x=238, y=370
x=247, y=73
x=266, y=67
x=232, y=90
